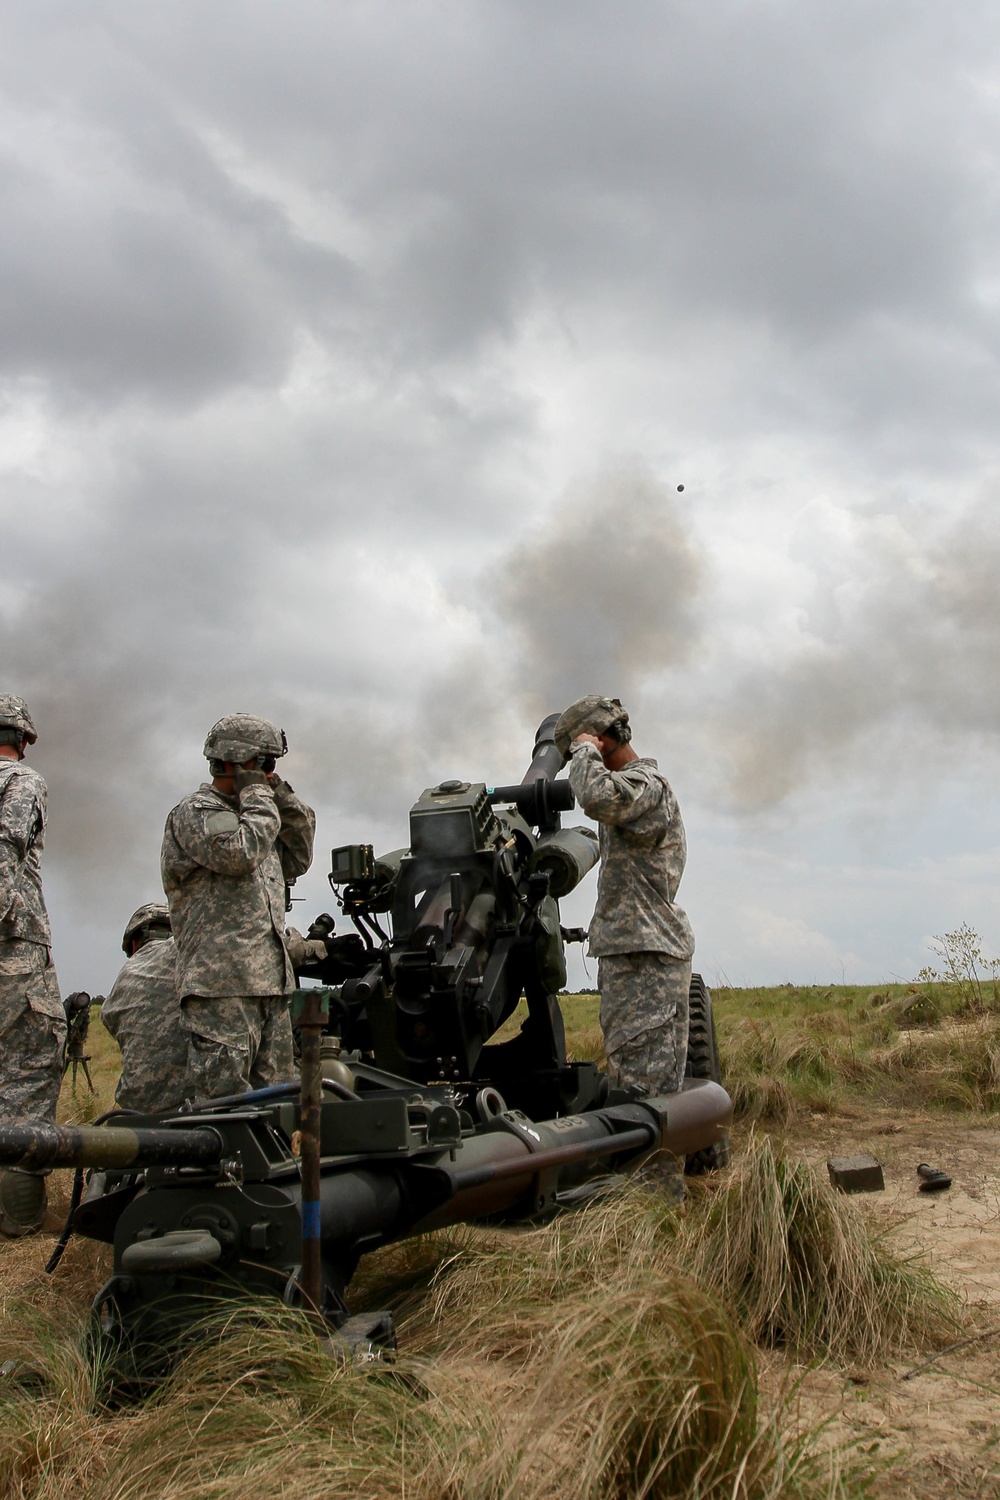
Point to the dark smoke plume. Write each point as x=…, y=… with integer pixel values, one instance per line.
x=603, y=595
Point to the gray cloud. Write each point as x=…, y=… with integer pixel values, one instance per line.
x=778, y=167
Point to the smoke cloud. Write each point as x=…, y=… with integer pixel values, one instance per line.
x=604, y=594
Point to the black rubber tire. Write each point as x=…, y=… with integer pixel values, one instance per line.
x=703, y=1062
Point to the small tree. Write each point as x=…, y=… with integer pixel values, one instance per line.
x=964, y=966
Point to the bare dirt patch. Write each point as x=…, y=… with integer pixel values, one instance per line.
x=944, y=1421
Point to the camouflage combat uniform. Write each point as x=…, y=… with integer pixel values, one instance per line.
x=642, y=940
x=224, y=862
x=143, y=1014
x=32, y=1019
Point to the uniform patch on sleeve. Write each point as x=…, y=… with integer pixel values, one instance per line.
x=223, y=821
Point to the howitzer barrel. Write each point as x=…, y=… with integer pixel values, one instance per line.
x=110, y=1146
x=696, y=1118
x=641, y=1138
x=517, y=1165
x=494, y=1174
x=539, y=798
x=546, y=758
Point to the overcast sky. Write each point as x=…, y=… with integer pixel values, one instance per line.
x=352, y=357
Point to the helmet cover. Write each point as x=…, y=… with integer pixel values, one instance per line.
x=239, y=737
x=153, y=914
x=593, y=714
x=14, y=715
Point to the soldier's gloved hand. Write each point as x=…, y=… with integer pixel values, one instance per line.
x=282, y=791
x=303, y=950
x=296, y=945
x=252, y=777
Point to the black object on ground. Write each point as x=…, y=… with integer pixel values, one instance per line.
x=856, y=1174
x=934, y=1180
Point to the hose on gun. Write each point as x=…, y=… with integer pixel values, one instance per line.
x=67, y=1230
x=262, y=1096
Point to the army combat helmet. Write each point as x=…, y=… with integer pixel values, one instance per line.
x=240, y=737
x=149, y=921
x=16, y=725
x=592, y=714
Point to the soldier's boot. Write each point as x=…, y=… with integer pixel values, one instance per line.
x=664, y=1174
x=22, y=1202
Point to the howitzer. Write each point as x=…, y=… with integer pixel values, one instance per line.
x=210, y=1203
x=424, y=1121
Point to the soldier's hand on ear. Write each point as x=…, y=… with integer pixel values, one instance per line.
x=244, y=778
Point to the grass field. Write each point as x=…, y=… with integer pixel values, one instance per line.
x=812, y=1048
x=739, y=1346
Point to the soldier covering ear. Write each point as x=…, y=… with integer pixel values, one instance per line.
x=642, y=939
x=32, y=1019
x=229, y=851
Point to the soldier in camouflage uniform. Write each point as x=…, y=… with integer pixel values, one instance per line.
x=143, y=1014
x=229, y=850
x=642, y=940
x=32, y=1019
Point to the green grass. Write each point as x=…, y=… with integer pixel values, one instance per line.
x=790, y=1048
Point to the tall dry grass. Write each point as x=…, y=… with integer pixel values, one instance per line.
x=255, y=1409
x=800, y=1269
x=582, y=1359
x=956, y=1067
x=645, y=1389
x=646, y=1392
x=609, y=1354
x=922, y=1049
x=795, y=1263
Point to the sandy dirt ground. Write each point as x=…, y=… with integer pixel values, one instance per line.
x=944, y=1421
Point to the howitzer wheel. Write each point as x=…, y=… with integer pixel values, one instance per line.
x=703, y=1062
